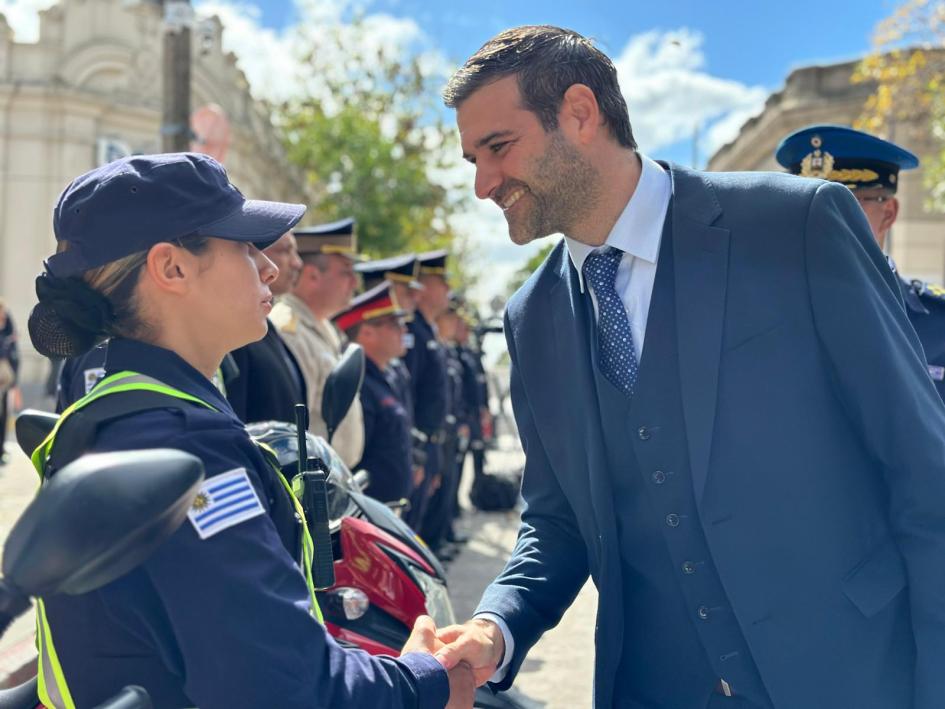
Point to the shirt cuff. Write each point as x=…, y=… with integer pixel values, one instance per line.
x=503, y=667
x=432, y=682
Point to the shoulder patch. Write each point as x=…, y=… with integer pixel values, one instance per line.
x=929, y=290
x=224, y=501
x=92, y=377
x=284, y=318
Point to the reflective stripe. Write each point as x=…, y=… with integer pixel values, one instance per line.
x=51, y=683
x=55, y=694
x=308, y=545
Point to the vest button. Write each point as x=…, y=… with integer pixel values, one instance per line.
x=688, y=567
x=659, y=477
x=703, y=612
x=644, y=433
x=672, y=520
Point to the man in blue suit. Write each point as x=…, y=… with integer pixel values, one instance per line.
x=703, y=374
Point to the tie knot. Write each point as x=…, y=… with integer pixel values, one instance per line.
x=600, y=267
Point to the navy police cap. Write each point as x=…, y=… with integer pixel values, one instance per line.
x=841, y=154
x=131, y=204
x=400, y=269
x=433, y=263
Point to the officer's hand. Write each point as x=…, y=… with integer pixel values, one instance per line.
x=478, y=642
x=418, y=475
x=435, y=483
x=462, y=687
x=423, y=638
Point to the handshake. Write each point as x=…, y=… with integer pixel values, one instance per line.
x=471, y=653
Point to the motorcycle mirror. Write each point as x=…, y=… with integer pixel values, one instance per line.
x=98, y=518
x=32, y=427
x=342, y=387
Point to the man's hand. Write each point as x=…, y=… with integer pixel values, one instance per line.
x=478, y=642
x=462, y=687
x=423, y=638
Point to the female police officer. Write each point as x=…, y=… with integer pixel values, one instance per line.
x=161, y=253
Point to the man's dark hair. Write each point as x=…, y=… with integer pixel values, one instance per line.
x=547, y=60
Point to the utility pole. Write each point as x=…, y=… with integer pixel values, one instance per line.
x=175, y=121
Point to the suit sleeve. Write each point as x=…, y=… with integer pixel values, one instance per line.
x=549, y=563
x=882, y=379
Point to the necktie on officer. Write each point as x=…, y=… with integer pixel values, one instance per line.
x=618, y=360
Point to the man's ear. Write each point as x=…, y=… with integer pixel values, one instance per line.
x=171, y=268
x=579, y=115
x=890, y=212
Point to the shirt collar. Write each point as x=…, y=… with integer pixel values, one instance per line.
x=167, y=367
x=639, y=228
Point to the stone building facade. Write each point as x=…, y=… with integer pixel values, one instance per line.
x=824, y=94
x=89, y=89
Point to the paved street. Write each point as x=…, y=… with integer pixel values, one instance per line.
x=559, y=671
x=17, y=487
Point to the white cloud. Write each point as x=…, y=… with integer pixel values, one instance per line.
x=670, y=95
x=663, y=76
x=23, y=17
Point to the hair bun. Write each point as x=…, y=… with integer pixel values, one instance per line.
x=70, y=317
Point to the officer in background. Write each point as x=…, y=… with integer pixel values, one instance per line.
x=375, y=321
x=438, y=523
x=401, y=272
x=476, y=395
x=303, y=317
x=269, y=381
x=869, y=167
x=426, y=362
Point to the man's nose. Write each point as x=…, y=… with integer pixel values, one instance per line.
x=488, y=180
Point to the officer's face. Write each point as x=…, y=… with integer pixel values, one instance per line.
x=881, y=209
x=404, y=295
x=384, y=337
x=435, y=295
x=232, y=292
x=539, y=180
x=338, y=281
x=285, y=254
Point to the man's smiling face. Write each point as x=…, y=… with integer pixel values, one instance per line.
x=538, y=179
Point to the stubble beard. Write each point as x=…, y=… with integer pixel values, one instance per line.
x=564, y=191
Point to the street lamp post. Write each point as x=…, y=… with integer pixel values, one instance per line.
x=175, y=121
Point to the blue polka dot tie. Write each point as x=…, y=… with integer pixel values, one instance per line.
x=618, y=360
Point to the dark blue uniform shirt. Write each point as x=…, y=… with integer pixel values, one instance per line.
x=427, y=364
x=386, y=436
x=78, y=375
x=222, y=621
x=925, y=306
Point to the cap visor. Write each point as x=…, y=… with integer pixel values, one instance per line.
x=257, y=221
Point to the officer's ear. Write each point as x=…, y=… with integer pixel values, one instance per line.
x=890, y=212
x=171, y=268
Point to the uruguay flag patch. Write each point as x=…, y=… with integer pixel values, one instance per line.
x=223, y=501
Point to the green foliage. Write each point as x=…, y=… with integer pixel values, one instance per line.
x=369, y=136
x=907, y=70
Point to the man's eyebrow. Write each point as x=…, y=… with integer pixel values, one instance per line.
x=485, y=141
x=492, y=136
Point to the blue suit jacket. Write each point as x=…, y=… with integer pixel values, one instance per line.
x=816, y=440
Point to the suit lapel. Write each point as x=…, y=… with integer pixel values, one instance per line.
x=571, y=320
x=700, y=253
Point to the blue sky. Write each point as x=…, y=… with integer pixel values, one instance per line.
x=685, y=66
x=753, y=42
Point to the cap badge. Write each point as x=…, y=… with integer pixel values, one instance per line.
x=818, y=163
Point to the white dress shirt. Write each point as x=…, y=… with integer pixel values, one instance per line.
x=638, y=233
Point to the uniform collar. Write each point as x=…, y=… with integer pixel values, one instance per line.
x=639, y=229
x=166, y=366
x=911, y=295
